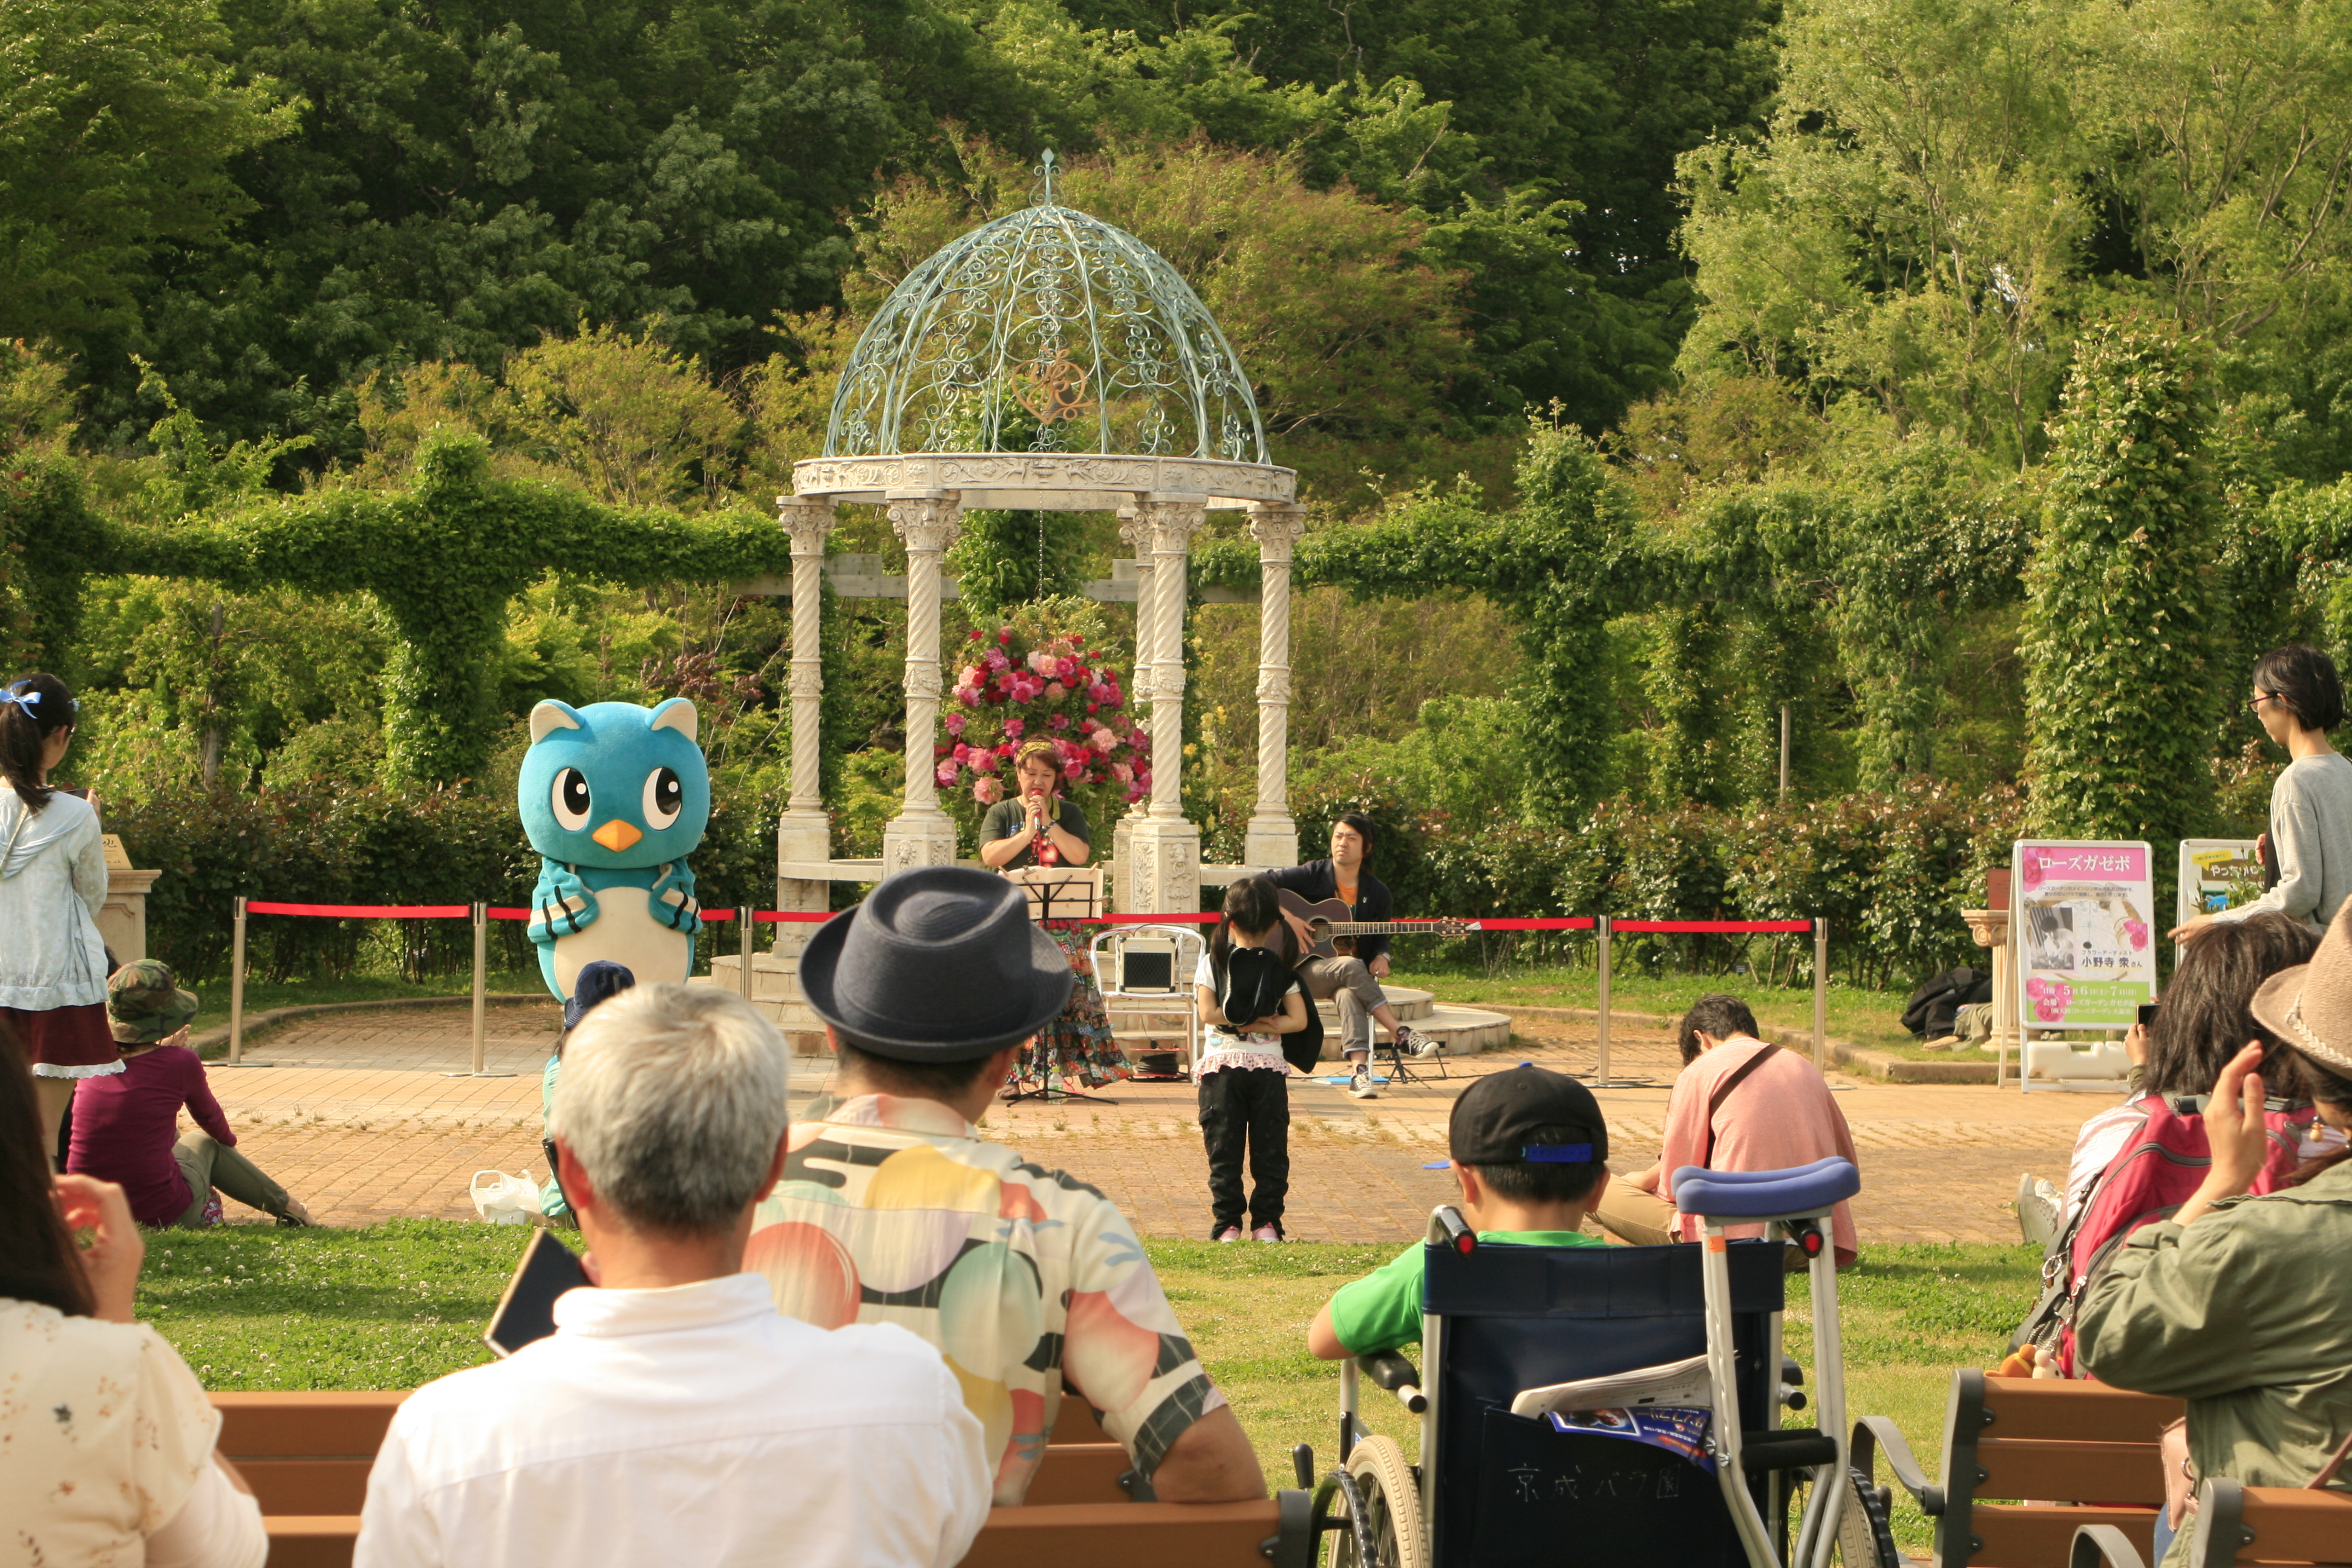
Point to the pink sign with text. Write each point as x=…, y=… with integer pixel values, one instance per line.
x=2084, y=922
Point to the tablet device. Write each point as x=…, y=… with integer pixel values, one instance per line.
x=526, y=1310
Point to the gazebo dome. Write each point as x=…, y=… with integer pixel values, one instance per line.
x=1046, y=359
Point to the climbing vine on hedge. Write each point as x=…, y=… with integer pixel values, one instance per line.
x=444, y=558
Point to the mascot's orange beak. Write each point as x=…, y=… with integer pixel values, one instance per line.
x=616, y=835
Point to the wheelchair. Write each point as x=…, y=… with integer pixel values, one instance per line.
x=1538, y=1356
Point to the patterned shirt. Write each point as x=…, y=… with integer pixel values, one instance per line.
x=895, y=1210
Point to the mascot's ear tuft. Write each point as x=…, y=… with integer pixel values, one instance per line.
x=550, y=716
x=678, y=714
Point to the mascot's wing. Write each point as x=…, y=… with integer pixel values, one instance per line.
x=561, y=904
x=673, y=893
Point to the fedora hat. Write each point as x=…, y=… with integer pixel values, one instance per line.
x=2310, y=1005
x=940, y=963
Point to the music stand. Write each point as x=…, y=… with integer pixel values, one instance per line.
x=1056, y=893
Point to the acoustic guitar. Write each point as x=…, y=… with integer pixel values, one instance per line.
x=1328, y=930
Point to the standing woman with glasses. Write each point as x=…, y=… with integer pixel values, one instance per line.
x=2298, y=700
x=52, y=884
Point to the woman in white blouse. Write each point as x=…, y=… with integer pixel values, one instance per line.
x=109, y=1437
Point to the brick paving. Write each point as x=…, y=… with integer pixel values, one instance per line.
x=358, y=1120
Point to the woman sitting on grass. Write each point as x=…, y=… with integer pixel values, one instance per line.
x=2238, y=1304
x=124, y=1126
x=109, y=1437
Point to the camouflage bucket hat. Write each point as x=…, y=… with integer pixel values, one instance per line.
x=145, y=1003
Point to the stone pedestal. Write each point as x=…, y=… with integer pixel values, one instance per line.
x=122, y=919
x=1991, y=930
x=1161, y=873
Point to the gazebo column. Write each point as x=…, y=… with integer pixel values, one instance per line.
x=1163, y=848
x=921, y=834
x=1122, y=868
x=1272, y=836
x=805, y=832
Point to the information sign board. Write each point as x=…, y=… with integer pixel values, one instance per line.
x=2084, y=913
x=2210, y=871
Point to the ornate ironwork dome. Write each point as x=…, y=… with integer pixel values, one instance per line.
x=1042, y=339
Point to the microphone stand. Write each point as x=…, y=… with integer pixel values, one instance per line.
x=1044, y=1070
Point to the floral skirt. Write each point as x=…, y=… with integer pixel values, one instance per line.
x=1078, y=1044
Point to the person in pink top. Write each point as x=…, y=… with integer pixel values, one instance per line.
x=1738, y=1105
x=126, y=1125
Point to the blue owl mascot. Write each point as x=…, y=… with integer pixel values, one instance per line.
x=614, y=797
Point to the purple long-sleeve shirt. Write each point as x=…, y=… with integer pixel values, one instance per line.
x=125, y=1123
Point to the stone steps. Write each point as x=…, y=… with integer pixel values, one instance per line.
x=775, y=991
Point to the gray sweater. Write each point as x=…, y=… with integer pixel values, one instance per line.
x=2311, y=835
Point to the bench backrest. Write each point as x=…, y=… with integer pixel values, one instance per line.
x=2271, y=1524
x=2089, y=1447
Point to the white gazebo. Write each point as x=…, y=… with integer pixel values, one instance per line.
x=1047, y=361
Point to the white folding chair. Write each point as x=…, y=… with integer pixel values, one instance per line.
x=1146, y=972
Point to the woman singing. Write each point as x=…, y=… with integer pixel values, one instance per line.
x=1038, y=827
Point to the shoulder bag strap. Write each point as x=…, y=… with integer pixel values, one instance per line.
x=1731, y=1080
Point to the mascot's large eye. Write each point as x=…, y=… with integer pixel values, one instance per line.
x=570, y=799
x=663, y=797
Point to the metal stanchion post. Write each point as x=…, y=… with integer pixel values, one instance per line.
x=1821, y=994
x=481, y=915
x=743, y=930
x=1600, y=929
x=237, y=985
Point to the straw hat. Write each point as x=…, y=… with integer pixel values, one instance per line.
x=2310, y=1005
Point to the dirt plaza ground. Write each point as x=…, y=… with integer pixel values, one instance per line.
x=358, y=1118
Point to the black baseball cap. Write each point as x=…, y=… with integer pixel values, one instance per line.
x=1495, y=1122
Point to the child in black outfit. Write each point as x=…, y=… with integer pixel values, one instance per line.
x=1262, y=1026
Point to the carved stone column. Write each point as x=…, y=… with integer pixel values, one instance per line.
x=805, y=832
x=1272, y=838
x=1163, y=848
x=921, y=834
x=1122, y=898
x=1991, y=928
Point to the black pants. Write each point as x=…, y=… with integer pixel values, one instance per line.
x=1247, y=1107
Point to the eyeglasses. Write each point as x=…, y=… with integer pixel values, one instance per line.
x=2261, y=697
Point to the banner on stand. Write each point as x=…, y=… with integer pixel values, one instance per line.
x=2212, y=869
x=2084, y=916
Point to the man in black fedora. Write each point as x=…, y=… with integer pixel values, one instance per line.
x=893, y=1209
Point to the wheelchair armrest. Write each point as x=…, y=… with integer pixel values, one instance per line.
x=1872, y=1433
x=1791, y=1373
x=2097, y=1543
x=1293, y=1545
x=1393, y=1372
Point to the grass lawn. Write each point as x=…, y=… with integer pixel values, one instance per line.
x=398, y=1304
x=1865, y=1017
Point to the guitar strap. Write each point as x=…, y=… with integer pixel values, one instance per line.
x=1731, y=1080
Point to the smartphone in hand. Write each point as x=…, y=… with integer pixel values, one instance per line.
x=526, y=1310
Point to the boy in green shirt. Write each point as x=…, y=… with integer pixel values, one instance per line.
x=1530, y=1152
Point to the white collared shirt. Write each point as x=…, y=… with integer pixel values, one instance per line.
x=693, y=1425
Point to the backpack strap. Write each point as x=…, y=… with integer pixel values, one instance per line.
x=1731, y=1080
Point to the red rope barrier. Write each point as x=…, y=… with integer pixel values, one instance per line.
x=1569, y=923
x=365, y=912
x=1710, y=925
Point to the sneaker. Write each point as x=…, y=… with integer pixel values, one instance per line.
x=1419, y=1044
x=1267, y=1232
x=1230, y=1233
x=1359, y=1084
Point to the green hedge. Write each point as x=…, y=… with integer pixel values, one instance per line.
x=1890, y=873
x=347, y=845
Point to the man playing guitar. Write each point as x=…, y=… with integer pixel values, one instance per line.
x=1354, y=981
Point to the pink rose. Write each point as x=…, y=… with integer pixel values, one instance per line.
x=983, y=761
x=2037, y=987
x=1065, y=668
x=969, y=675
x=2049, y=1011
x=995, y=659
x=1013, y=727
x=956, y=722
x=947, y=772
x=1144, y=777
x=1058, y=722
x=1102, y=740
x=1092, y=706
x=2137, y=932
x=988, y=792
x=1056, y=691
x=1041, y=662
x=1122, y=772
x=962, y=753
x=1099, y=692
x=1133, y=794
x=1074, y=772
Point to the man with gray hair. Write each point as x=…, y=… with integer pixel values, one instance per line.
x=674, y=1416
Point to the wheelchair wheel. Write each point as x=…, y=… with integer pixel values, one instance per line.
x=1866, y=1534
x=1379, y=1500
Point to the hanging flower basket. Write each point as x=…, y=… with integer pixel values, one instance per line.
x=1013, y=690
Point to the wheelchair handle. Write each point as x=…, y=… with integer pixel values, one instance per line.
x=1393, y=1372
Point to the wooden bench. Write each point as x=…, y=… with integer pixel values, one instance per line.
x=2090, y=1446
x=2235, y=1524
x=308, y=1453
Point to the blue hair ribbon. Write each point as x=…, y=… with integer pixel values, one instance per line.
x=28, y=700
